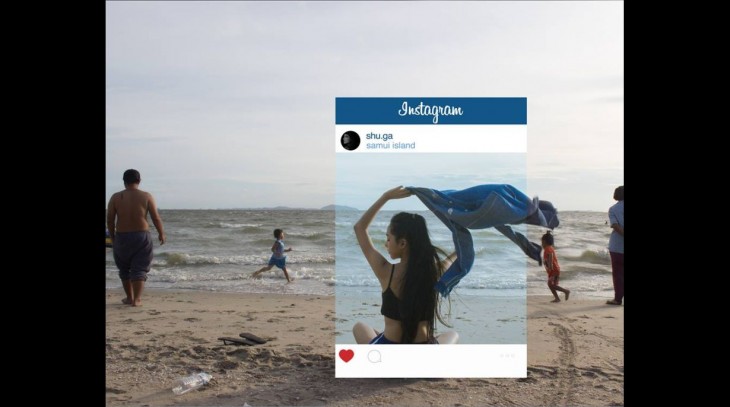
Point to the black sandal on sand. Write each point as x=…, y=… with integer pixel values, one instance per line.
x=236, y=341
x=613, y=302
x=252, y=337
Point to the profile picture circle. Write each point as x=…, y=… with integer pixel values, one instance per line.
x=350, y=140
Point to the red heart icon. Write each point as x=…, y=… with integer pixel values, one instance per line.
x=346, y=355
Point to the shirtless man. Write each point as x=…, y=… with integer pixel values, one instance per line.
x=126, y=220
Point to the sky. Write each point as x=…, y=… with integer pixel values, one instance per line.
x=362, y=178
x=232, y=104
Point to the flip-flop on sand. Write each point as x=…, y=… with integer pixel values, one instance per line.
x=236, y=341
x=252, y=337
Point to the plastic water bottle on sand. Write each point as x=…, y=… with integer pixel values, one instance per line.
x=185, y=384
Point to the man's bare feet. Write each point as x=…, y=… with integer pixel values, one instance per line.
x=567, y=294
x=556, y=300
x=137, y=303
x=126, y=301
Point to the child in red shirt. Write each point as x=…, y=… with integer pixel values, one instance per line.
x=550, y=259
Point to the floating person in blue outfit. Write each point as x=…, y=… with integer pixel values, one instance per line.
x=481, y=207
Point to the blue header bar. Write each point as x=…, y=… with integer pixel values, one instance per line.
x=430, y=110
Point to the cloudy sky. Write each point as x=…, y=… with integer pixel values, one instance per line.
x=362, y=178
x=231, y=104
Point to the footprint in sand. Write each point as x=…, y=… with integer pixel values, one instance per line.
x=114, y=391
x=226, y=365
x=192, y=319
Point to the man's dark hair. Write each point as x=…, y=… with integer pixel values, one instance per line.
x=277, y=233
x=131, y=177
x=618, y=194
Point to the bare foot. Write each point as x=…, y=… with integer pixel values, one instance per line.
x=137, y=303
x=613, y=302
x=126, y=301
x=567, y=294
x=556, y=300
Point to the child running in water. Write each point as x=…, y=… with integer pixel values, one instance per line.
x=550, y=258
x=278, y=258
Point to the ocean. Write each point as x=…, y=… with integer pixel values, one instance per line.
x=217, y=250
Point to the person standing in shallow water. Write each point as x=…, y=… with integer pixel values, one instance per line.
x=616, y=246
x=552, y=267
x=126, y=220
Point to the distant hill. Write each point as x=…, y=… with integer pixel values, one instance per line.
x=338, y=208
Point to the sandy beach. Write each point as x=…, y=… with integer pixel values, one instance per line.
x=575, y=355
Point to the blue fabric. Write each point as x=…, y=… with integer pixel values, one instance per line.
x=381, y=340
x=481, y=207
x=133, y=254
x=279, y=251
x=279, y=262
x=616, y=216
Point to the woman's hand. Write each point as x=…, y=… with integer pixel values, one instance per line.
x=377, y=262
x=397, y=193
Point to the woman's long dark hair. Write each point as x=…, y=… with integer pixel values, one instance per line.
x=418, y=299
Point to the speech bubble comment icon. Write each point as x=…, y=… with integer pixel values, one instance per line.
x=374, y=356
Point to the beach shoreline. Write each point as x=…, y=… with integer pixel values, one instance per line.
x=575, y=355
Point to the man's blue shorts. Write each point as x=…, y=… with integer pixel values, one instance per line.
x=133, y=254
x=279, y=262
